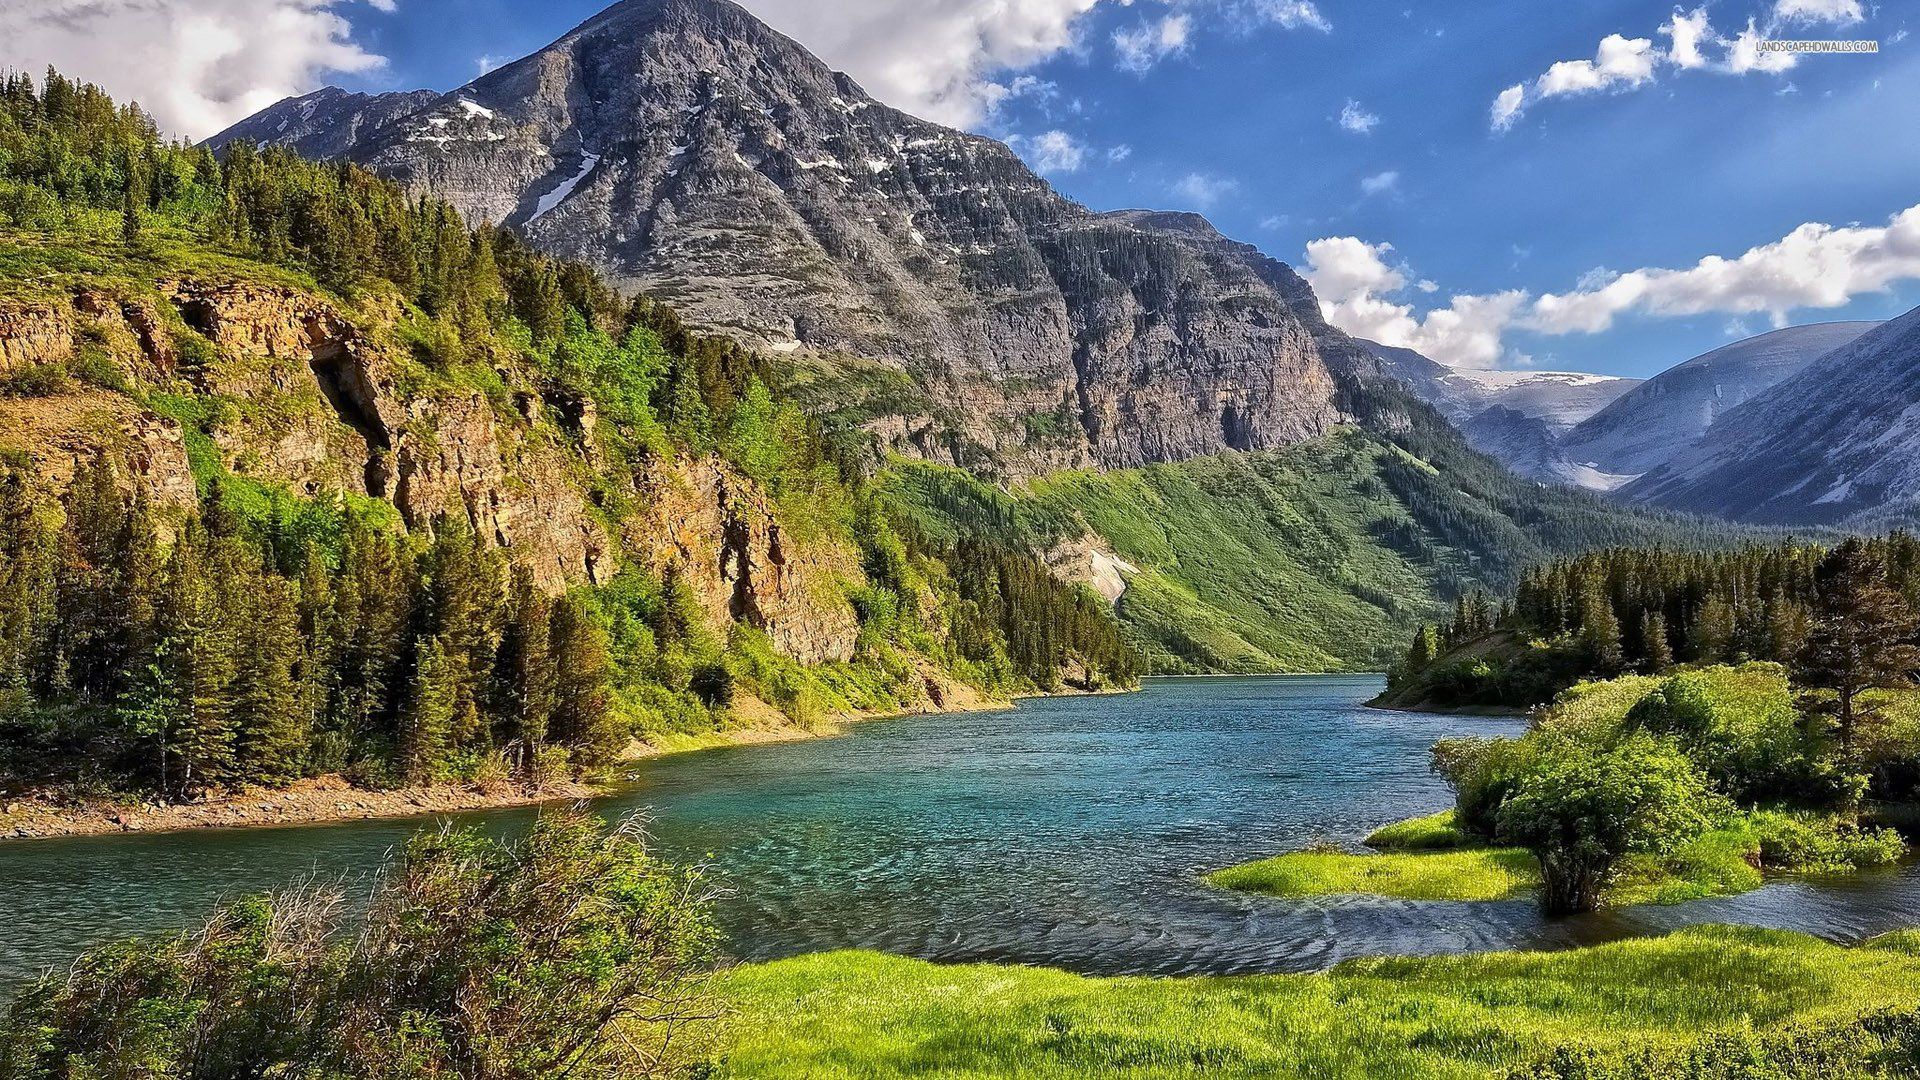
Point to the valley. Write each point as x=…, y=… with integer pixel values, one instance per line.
x=658, y=562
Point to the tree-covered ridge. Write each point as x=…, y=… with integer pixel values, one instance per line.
x=1647, y=609
x=257, y=634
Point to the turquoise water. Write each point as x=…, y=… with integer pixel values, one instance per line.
x=1070, y=832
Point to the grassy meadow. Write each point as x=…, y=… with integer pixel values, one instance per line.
x=854, y=1015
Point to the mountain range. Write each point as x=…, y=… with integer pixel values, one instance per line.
x=1837, y=442
x=690, y=152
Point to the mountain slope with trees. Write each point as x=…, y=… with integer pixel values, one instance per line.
x=306, y=475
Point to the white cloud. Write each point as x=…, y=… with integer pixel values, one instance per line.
x=1356, y=119
x=1289, y=14
x=196, y=65
x=1354, y=280
x=1620, y=61
x=1146, y=45
x=1815, y=266
x=1507, y=106
x=1380, y=183
x=1118, y=154
x=1204, y=191
x=1744, y=55
x=1054, y=151
x=1687, y=30
x=936, y=60
x=1622, y=64
x=1832, y=11
x=387, y=6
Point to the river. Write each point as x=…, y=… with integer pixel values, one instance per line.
x=1067, y=832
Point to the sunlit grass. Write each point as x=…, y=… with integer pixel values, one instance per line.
x=1431, y=833
x=1429, y=858
x=860, y=1015
x=1467, y=874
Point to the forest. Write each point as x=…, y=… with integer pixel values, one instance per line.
x=264, y=635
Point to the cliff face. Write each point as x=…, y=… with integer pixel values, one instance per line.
x=691, y=152
x=316, y=400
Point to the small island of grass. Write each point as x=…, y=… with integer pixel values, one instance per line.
x=1631, y=791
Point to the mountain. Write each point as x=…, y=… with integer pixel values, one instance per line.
x=1561, y=399
x=1515, y=417
x=1836, y=440
x=1658, y=419
x=689, y=151
x=326, y=123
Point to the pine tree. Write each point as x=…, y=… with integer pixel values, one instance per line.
x=583, y=719
x=1653, y=638
x=427, y=721
x=1712, y=638
x=1599, y=631
x=1862, y=639
x=272, y=731
x=525, y=674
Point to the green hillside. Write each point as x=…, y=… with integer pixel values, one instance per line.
x=1320, y=557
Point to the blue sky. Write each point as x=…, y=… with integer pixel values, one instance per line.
x=1650, y=156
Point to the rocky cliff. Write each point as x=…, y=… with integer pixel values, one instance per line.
x=691, y=152
x=291, y=390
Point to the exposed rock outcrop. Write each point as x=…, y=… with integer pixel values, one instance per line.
x=704, y=517
x=33, y=334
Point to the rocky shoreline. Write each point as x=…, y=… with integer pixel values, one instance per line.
x=323, y=799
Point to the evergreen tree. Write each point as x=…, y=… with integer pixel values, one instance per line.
x=271, y=740
x=582, y=707
x=1862, y=639
x=427, y=721
x=1657, y=650
x=525, y=673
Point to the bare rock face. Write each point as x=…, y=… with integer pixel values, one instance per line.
x=693, y=153
x=705, y=518
x=32, y=334
x=325, y=415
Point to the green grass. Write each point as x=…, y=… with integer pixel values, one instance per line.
x=840, y=1016
x=1431, y=833
x=1429, y=858
x=1481, y=873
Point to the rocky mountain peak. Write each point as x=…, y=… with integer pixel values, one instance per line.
x=693, y=153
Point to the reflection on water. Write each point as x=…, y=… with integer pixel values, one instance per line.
x=1069, y=832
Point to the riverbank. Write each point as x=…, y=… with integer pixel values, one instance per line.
x=46, y=815
x=305, y=802
x=1743, y=992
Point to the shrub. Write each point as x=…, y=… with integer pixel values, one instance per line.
x=572, y=953
x=1581, y=809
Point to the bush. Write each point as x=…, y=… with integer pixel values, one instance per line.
x=1809, y=843
x=570, y=953
x=1580, y=810
x=1739, y=724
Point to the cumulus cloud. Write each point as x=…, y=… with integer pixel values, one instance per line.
x=943, y=61
x=1619, y=62
x=1355, y=283
x=196, y=65
x=1053, y=152
x=1815, y=266
x=1622, y=64
x=1356, y=119
x=1203, y=190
